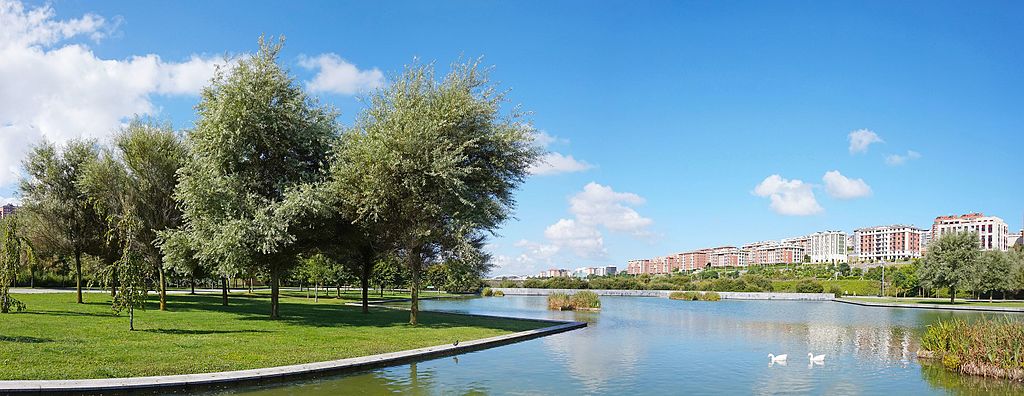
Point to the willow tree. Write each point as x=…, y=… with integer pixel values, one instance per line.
x=257, y=143
x=432, y=165
x=64, y=222
x=950, y=262
x=133, y=184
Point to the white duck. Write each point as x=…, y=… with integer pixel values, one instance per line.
x=777, y=359
x=816, y=358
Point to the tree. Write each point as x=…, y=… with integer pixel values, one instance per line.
x=63, y=220
x=949, y=262
x=317, y=270
x=258, y=145
x=388, y=273
x=905, y=278
x=132, y=270
x=432, y=165
x=10, y=262
x=994, y=272
x=137, y=178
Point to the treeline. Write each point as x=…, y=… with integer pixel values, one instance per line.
x=953, y=266
x=269, y=186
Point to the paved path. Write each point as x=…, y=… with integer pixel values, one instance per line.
x=977, y=308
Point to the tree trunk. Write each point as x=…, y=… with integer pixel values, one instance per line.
x=78, y=275
x=316, y=292
x=339, y=289
x=113, y=285
x=224, y=290
x=251, y=281
x=192, y=279
x=414, y=267
x=31, y=278
x=274, y=289
x=163, y=287
x=364, y=282
x=131, y=319
x=952, y=294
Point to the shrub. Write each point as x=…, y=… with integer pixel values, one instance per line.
x=508, y=283
x=487, y=292
x=499, y=293
x=808, y=286
x=710, y=296
x=682, y=295
x=563, y=282
x=695, y=296
x=757, y=283
x=585, y=300
x=533, y=283
x=659, y=285
x=836, y=291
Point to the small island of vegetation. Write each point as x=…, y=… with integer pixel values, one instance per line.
x=584, y=300
x=695, y=296
x=989, y=348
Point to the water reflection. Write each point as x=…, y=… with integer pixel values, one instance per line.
x=661, y=346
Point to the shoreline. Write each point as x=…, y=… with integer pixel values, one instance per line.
x=974, y=308
x=204, y=381
x=519, y=291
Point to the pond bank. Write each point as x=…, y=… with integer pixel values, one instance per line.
x=194, y=382
x=976, y=308
x=519, y=291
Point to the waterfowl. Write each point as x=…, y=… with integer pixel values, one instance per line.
x=816, y=358
x=780, y=358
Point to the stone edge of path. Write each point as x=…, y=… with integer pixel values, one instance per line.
x=933, y=307
x=192, y=382
x=520, y=291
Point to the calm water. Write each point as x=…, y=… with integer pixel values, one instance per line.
x=660, y=346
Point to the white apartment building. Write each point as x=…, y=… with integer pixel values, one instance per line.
x=887, y=243
x=828, y=247
x=993, y=233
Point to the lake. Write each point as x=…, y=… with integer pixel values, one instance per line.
x=659, y=346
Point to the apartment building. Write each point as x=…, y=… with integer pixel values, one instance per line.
x=7, y=210
x=895, y=242
x=828, y=247
x=727, y=256
x=993, y=232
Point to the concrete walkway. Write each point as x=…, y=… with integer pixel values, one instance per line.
x=976, y=308
x=194, y=382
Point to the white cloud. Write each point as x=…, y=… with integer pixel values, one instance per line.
x=788, y=197
x=896, y=159
x=861, y=139
x=583, y=239
x=554, y=163
x=57, y=90
x=600, y=205
x=842, y=187
x=336, y=75
x=7, y=200
x=543, y=139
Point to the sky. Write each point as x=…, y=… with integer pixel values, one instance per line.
x=669, y=126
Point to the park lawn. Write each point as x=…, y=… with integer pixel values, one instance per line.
x=915, y=301
x=354, y=295
x=58, y=339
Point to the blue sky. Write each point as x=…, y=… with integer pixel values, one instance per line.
x=676, y=115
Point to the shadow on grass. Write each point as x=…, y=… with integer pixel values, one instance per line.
x=68, y=313
x=200, y=332
x=24, y=340
x=332, y=313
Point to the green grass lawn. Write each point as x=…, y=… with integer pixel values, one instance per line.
x=916, y=301
x=58, y=339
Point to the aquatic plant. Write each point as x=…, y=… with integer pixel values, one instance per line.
x=990, y=348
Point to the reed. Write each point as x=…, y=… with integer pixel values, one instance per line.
x=990, y=348
x=584, y=300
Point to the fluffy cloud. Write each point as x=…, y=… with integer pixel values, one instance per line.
x=583, y=239
x=57, y=90
x=842, y=187
x=896, y=159
x=554, y=163
x=788, y=197
x=600, y=205
x=861, y=139
x=335, y=75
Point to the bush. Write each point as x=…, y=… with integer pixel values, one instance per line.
x=533, y=283
x=563, y=282
x=835, y=290
x=710, y=296
x=661, y=286
x=499, y=293
x=808, y=286
x=487, y=292
x=508, y=283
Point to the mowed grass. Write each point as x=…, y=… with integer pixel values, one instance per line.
x=940, y=302
x=58, y=339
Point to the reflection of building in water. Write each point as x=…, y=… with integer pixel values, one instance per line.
x=594, y=362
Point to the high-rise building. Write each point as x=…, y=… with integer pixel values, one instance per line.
x=828, y=247
x=7, y=210
x=993, y=233
x=887, y=243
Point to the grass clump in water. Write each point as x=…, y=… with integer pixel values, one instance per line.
x=695, y=296
x=989, y=348
x=585, y=300
x=487, y=292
